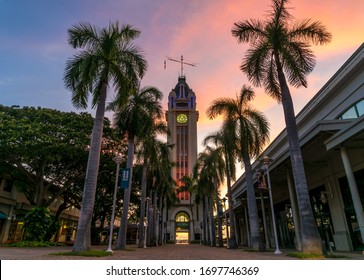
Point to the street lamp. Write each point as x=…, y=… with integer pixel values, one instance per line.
x=226, y=224
x=147, y=199
x=267, y=160
x=118, y=160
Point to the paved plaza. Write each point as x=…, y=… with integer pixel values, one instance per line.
x=166, y=252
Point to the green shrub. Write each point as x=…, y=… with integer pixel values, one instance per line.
x=33, y=244
x=39, y=225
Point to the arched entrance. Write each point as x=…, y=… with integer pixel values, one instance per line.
x=182, y=227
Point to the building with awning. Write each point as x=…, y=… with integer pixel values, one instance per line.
x=331, y=133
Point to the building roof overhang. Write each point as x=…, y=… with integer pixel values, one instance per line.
x=351, y=135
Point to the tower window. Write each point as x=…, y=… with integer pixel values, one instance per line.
x=181, y=105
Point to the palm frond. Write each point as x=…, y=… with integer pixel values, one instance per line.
x=311, y=32
x=248, y=31
x=83, y=35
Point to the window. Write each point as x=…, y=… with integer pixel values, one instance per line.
x=8, y=185
x=354, y=112
x=360, y=107
x=182, y=217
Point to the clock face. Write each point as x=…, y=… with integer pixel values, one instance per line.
x=182, y=118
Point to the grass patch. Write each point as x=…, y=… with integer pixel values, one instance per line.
x=129, y=249
x=91, y=253
x=301, y=255
x=256, y=250
x=333, y=256
x=33, y=244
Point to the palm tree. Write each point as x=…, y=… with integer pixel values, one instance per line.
x=149, y=154
x=251, y=134
x=224, y=138
x=207, y=174
x=214, y=164
x=165, y=182
x=106, y=55
x=132, y=119
x=279, y=50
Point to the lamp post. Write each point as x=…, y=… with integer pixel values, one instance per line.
x=117, y=160
x=147, y=199
x=226, y=224
x=267, y=160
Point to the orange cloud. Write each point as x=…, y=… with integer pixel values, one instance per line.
x=202, y=33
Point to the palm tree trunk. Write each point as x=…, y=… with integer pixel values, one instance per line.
x=121, y=241
x=206, y=221
x=153, y=220
x=219, y=226
x=256, y=241
x=232, y=238
x=311, y=240
x=83, y=236
x=212, y=223
x=192, y=219
x=160, y=221
x=142, y=206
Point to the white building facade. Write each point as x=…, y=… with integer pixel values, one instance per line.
x=331, y=132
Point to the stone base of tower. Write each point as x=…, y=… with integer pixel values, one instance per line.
x=184, y=224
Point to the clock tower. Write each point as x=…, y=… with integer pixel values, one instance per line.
x=184, y=217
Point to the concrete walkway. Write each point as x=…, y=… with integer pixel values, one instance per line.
x=166, y=252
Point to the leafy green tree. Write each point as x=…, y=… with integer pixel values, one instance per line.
x=39, y=225
x=44, y=151
x=251, y=135
x=133, y=118
x=279, y=50
x=106, y=58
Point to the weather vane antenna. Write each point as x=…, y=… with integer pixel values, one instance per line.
x=181, y=61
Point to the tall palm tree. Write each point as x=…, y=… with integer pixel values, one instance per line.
x=132, y=119
x=149, y=154
x=209, y=176
x=224, y=138
x=165, y=182
x=106, y=57
x=214, y=164
x=251, y=135
x=281, y=49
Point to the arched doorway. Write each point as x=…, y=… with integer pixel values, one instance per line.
x=182, y=227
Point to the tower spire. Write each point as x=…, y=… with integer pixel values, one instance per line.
x=181, y=61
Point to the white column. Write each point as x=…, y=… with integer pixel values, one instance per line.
x=354, y=191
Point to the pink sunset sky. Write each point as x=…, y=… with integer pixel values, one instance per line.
x=34, y=49
x=204, y=37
